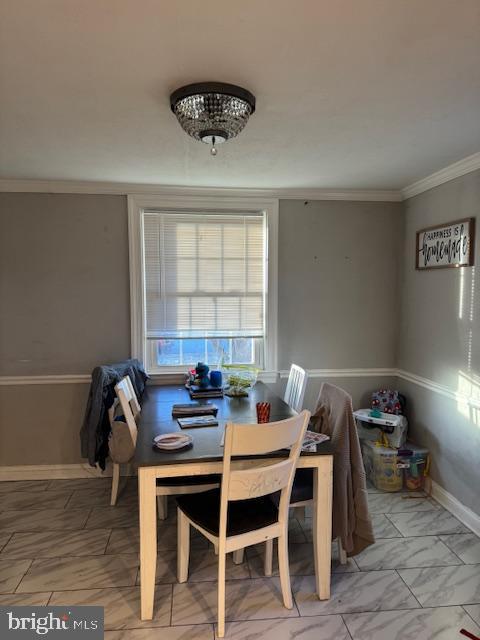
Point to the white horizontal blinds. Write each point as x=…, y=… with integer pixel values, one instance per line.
x=204, y=275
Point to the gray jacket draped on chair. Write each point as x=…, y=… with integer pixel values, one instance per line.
x=96, y=425
x=351, y=519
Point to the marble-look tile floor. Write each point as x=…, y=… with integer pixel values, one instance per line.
x=61, y=543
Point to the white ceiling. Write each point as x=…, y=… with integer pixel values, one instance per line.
x=350, y=94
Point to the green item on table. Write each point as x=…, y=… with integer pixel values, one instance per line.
x=375, y=413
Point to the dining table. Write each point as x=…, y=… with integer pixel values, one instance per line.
x=205, y=457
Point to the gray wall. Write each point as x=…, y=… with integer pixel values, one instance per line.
x=338, y=283
x=64, y=284
x=439, y=339
x=65, y=307
x=64, y=296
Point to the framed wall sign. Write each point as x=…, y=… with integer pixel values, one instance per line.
x=446, y=245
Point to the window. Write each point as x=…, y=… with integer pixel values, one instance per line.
x=202, y=283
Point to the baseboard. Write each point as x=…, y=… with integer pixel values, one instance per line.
x=466, y=516
x=52, y=472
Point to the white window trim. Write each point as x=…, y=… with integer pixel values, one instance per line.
x=139, y=202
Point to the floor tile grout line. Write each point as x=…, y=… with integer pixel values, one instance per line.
x=107, y=543
x=401, y=578
x=393, y=525
x=453, y=551
x=6, y=543
x=65, y=506
x=21, y=579
x=471, y=618
x=171, y=603
x=346, y=626
x=377, y=611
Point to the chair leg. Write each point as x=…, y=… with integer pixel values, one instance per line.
x=115, y=483
x=284, y=571
x=268, y=558
x=221, y=592
x=238, y=556
x=342, y=554
x=183, y=546
x=162, y=507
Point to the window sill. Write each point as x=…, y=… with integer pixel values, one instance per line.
x=176, y=377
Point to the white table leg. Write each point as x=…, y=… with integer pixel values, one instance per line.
x=148, y=539
x=322, y=524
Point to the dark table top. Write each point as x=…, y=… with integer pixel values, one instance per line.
x=156, y=418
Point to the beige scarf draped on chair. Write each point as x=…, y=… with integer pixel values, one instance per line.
x=351, y=519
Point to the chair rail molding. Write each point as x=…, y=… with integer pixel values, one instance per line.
x=268, y=377
x=345, y=373
x=14, y=381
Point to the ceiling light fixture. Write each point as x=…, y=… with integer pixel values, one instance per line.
x=212, y=112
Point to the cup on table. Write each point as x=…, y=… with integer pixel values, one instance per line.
x=263, y=412
x=216, y=378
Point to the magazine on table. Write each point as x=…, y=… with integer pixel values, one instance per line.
x=193, y=409
x=311, y=439
x=197, y=421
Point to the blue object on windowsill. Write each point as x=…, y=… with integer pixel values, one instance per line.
x=216, y=378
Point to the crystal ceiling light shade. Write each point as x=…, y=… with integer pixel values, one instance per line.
x=212, y=112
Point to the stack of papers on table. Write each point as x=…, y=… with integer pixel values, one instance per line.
x=193, y=409
x=311, y=439
x=205, y=392
x=198, y=421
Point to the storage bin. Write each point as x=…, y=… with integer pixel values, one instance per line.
x=381, y=467
x=415, y=462
x=391, y=470
x=369, y=428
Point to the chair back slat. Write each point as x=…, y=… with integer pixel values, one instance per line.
x=249, y=483
x=262, y=479
x=296, y=385
x=124, y=396
x=126, y=386
x=257, y=439
x=134, y=403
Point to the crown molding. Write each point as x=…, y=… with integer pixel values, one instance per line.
x=128, y=188
x=455, y=170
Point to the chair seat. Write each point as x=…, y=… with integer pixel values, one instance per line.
x=302, y=487
x=189, y=481
x=243, y=515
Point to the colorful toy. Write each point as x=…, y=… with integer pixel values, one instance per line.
x=201, y=375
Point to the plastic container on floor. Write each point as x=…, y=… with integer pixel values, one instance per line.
x=414, y=461
x=392, y=469
x=381, y=466
x=371, y=428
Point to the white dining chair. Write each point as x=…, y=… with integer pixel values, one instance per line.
x=127, y=401
x=130, y=408
x=242, y=512
x=295, y=390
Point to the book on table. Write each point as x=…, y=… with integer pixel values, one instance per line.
x=205, y=392
x=197, y=421
x=193, y=409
